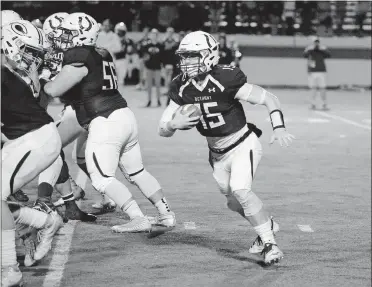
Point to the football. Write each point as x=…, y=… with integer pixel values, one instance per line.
x=188, y=108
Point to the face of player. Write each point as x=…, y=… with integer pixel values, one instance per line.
x=27, y=60
x=191, y=64
x=63, y=38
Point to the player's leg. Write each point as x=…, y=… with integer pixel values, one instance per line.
x=313, y=90
x=149, y=83
x=323, y=90
x=82, y=176
x=107, y=137
x=132, y=167
x=243, y=167
x=22, y=160
x=157, y=78
x=69, y=128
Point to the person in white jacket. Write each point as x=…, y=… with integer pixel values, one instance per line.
x=108, y=39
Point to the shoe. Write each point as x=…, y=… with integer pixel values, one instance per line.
x=73, y=212
x=312, y=107
x=105, y=203
x=148, y=104
x=19, y=196
x=44, y=206
x=46, y=235
x=271, y=253
x=11, y=276
x=166, y=220
x=79, y=193
x=159, y=104
x=257, y=245
x=137, y=224
x=30, y=248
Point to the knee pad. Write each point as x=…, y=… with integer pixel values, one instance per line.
x=249, y=201
x=145, y=182
x=65, y=173
x=100, y=183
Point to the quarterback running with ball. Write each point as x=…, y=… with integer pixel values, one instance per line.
x=235, y=151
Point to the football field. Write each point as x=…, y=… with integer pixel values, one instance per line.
x=318, y=189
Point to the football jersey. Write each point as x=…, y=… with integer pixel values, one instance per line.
x=223, y=115
x=20, y=111
x=97, y=94
x=53, y=61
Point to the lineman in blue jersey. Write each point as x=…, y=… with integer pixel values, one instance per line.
x=235, y=150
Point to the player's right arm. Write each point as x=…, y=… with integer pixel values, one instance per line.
x=173, y=120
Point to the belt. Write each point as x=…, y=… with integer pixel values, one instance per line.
x=251, y=128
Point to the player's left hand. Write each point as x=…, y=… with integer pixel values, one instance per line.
x=282, y=136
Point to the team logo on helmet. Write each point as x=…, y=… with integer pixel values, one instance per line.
x=19, y=28
x=90, y=24
x=51, y=23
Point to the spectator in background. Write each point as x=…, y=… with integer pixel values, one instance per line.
x=339, y=16
x=289, y=17
x=275, y=10
x=316, y=55
x=108, y=39
x=169, y=58
x=152, y=56
x=124, y=55
x=325, y=19
x=140, y=48
x=362, y=8
x=149, y=14
x=307, y=10
x=236, y=53
x=226, y=54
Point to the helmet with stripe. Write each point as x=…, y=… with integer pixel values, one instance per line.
x=8, y=16
x=198, y=53
x=22, y=44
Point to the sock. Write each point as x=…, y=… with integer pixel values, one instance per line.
x=44, y=192
x=132, y=210
x=8, y=248
x=162, y=206
x=81, y=179
x=32, y=217
x=68, y=197
x=83, y=167
x=265, y=232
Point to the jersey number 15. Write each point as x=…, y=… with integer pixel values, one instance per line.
x=109, y=74
x=210, y=120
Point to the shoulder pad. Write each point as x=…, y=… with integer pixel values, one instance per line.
x=232, y=78
x=76, y=55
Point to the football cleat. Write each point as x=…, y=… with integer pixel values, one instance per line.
x=19, y=196
x=73, y=212
x=137, y=224
x=166, y=220
x=271, y=253
x=30, y=248
x=257, y=245
x=46, y=235
x=11, y=276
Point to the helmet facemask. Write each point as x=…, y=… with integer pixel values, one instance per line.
x=192, y=63
x=63, y=38
x=26, y=57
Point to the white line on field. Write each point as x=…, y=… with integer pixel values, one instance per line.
x=60, y=256
x=305, y=228
x=342, y=119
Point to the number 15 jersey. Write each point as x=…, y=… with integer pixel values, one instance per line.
x=97, y=94
x=223, y=115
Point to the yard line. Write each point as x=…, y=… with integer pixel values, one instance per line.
x=342, y=119
x=60, y=256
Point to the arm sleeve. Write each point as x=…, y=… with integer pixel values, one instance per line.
x=77, y=57
x=166, y=118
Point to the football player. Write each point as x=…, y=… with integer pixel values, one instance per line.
x=8, y=16
x=235, y=150
x=57, y=175
x=88, y=81
x=33, y=142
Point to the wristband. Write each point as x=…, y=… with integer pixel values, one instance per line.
x=277, y=119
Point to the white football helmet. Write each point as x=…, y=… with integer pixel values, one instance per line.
x=53, y=22
x=22, y=45
x=8, y=16
x=198, y=52
x=77, y=29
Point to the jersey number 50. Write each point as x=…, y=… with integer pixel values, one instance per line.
x=109, y=73
x=210, y=120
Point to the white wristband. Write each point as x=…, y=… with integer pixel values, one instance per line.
x=277, y=119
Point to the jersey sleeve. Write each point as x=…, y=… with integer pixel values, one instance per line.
x=232, y=79
x=174, y=91
x=77, y=57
